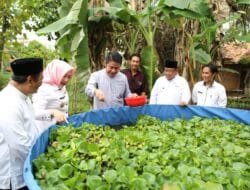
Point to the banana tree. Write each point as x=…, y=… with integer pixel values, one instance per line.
x=175, y=13
x=146, y=21
x=73, y=41
x=74, y=26
x=78, y=20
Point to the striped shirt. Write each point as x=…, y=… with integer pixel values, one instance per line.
x=115, y=89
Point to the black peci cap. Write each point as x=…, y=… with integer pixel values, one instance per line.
x=171, y=64
x=27, y=66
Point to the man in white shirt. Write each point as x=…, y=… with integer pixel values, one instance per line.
x=108, y=86
x=208, y=92
x=171, y=88
x=17, y=122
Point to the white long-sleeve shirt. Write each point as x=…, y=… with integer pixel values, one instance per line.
x=49, y=97
x=17, y=134
x=115, y=89
x=214, y=96
x=172, y=91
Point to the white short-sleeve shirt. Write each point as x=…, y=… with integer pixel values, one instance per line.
x=214, y=96
x=172, y=91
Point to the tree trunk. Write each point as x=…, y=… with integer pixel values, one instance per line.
x=2, y=40
x=182, y=50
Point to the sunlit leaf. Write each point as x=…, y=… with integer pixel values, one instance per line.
x=110, y=175
x=93, y=182
x=65, y=171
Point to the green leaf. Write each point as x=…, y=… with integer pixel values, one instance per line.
x=152, y=169
x=61, y=187
x=93, y=182
x=72, y=181
x=168, y=170
x=187, y=14
x=214, y=186
x=184, y=169
x=117, y=3
x=180, y=4
x=103, y=187
x=202, y=8
x=91, y=164
x=66, y=155
x=125, y=15
x=171, y=187
x=126, y=174
x=82, y=55
x=83, y=15
x=138, y=184
x=243, y=2
x=77, y=39
x=56, y=26
x=202, y=57
x=52, y=177
x=239, y=166
x=110, y=176
x=83, y=147
x=149, y=62
x=71, y=18
x=93, y=148
x=149, y=177
x=83, y=165
x=244, y=38
x=65, y=171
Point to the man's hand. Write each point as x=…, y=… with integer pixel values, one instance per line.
x=133, y=95
x=183, y=104
x=58, y=115
x=99, y=94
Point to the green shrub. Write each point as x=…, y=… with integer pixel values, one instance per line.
x=4, y=79
x=78, y=101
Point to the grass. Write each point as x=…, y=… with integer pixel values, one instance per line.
x=241, y=103
x=78, y=101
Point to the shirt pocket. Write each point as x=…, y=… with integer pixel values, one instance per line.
x=212, y=97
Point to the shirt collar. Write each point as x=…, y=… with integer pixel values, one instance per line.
x=17, y=92
x=212, y=85
x=172, y=78
x=135, y=73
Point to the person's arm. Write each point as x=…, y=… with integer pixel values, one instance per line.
x=186, y=94
x=40, y=104
x=92, y=90
x=154, y=93
x=194, y=94
x=127, y=90
x=91, y=85
x=145, y=90
x=222, y=101
x=16, y=135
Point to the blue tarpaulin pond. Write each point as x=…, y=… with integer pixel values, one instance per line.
x=127, y=115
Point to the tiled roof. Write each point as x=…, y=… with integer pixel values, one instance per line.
x=232, y=53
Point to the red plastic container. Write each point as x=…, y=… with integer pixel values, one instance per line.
x=136, y=101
